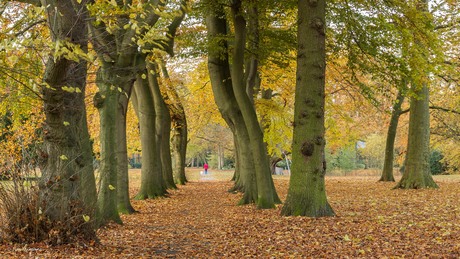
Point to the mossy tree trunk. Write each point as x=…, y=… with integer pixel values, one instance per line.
x=106, y=101
x=123, y=202
x=417, y=172
x=307, y=194
x=178, y=125
x=152, y=184
x=219, y=71
x=387, y=173
x=163, y=125
x=67, y=183
x=266, y=194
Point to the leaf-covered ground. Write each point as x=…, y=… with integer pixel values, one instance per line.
x=201, y=220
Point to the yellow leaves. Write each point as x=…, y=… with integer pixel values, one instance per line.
x=86, y=218
x=71, y=89
x=13, y=59
x=113, y=3
x=63, y=157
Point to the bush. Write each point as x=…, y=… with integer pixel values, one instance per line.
x=436, y=164
x=24, y=220
x=25, y=210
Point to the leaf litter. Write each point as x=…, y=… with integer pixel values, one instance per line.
x=202, y=220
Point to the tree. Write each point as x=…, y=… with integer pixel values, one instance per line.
x=417, y=165
x=152, y=183
x=67, y=185
x=307, y=194
x=122, y=35
x=387, y=172
x=179, y=126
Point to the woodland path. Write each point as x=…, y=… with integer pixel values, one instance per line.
x=201, y=220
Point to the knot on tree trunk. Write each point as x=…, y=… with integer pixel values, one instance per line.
x=307, y=149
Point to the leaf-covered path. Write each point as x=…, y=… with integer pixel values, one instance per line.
x=201, y=220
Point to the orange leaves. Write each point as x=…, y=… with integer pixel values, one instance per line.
x=201, y=220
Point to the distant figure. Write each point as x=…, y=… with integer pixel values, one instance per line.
x=205, y=166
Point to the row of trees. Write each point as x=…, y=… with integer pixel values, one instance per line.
x=381, y=50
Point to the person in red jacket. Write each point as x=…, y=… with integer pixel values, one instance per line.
x=205, y=166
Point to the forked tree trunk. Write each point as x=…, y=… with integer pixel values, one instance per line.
x=266, y=193
x=163, y=126
x=307, y=194
x=179, y=128
x=387, y=173
x=219, y=72
x=152, y=184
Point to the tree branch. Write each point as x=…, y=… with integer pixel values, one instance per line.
x=32, y=2
x=29, y=27
x=434, y=108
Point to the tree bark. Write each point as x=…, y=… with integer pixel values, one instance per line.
x=219, y=71
x=417, y=172
x=266, y=193
x=106, y=101
x=123, y=202
x=67, y=183
x=387, y=173
x=179, y=128
x=152, y=184
x=163, y=126
x=307, y=194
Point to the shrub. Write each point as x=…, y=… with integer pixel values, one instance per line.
x=436, y=166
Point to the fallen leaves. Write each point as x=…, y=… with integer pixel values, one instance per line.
x=201, y=220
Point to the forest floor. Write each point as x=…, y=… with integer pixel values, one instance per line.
x=201, y=220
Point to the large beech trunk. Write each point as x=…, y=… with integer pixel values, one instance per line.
x=152, y=184
x=106, y=101
x=219, y=71
x=417, y=172
x=179, y=128
x=307, y=194
x=163, y=126
x=67, y=183
x=266, y=194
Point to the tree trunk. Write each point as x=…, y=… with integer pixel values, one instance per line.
x=123, y=203
x=417, y=173
x=387, y=173
x=152, y=184
x=179, y=129
x=219, y=72
x=417, y=165
x=106, y=101
x=163, y=126
x=252, y=67
x=67, y=183
x=306, y=194
x=266, y=192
